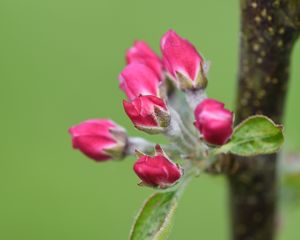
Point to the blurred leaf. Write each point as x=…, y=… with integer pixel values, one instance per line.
x=256, y=135
x=290, y=188
x=291, y=163
x=154, y=220
x=293, y=181
x=291, y=178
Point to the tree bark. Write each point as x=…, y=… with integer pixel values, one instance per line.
x=269, y=29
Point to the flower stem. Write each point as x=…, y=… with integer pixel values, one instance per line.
x=194, y=97
x=178, y=134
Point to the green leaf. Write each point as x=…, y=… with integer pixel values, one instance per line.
x=154, y=220
x=256, y=135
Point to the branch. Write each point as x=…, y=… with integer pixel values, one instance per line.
x=269, y=29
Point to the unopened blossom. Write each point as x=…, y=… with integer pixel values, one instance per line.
x=214, y=122
x=157, y=171
x=140, y=52
x=183, y=62
x=148, y=113
x=137, y=79
x=99, y=139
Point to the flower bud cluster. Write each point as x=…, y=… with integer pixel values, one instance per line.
x=144, y=80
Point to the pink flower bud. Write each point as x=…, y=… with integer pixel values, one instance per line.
x=157, y=171
x=99, y=139
x=138, y=79
x=182, y=61
x=214, y=122
x=148, y=113
x=142, y=53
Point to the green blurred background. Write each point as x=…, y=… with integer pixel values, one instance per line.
x=59, y=62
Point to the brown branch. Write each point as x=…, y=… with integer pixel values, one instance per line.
x=269, y=29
